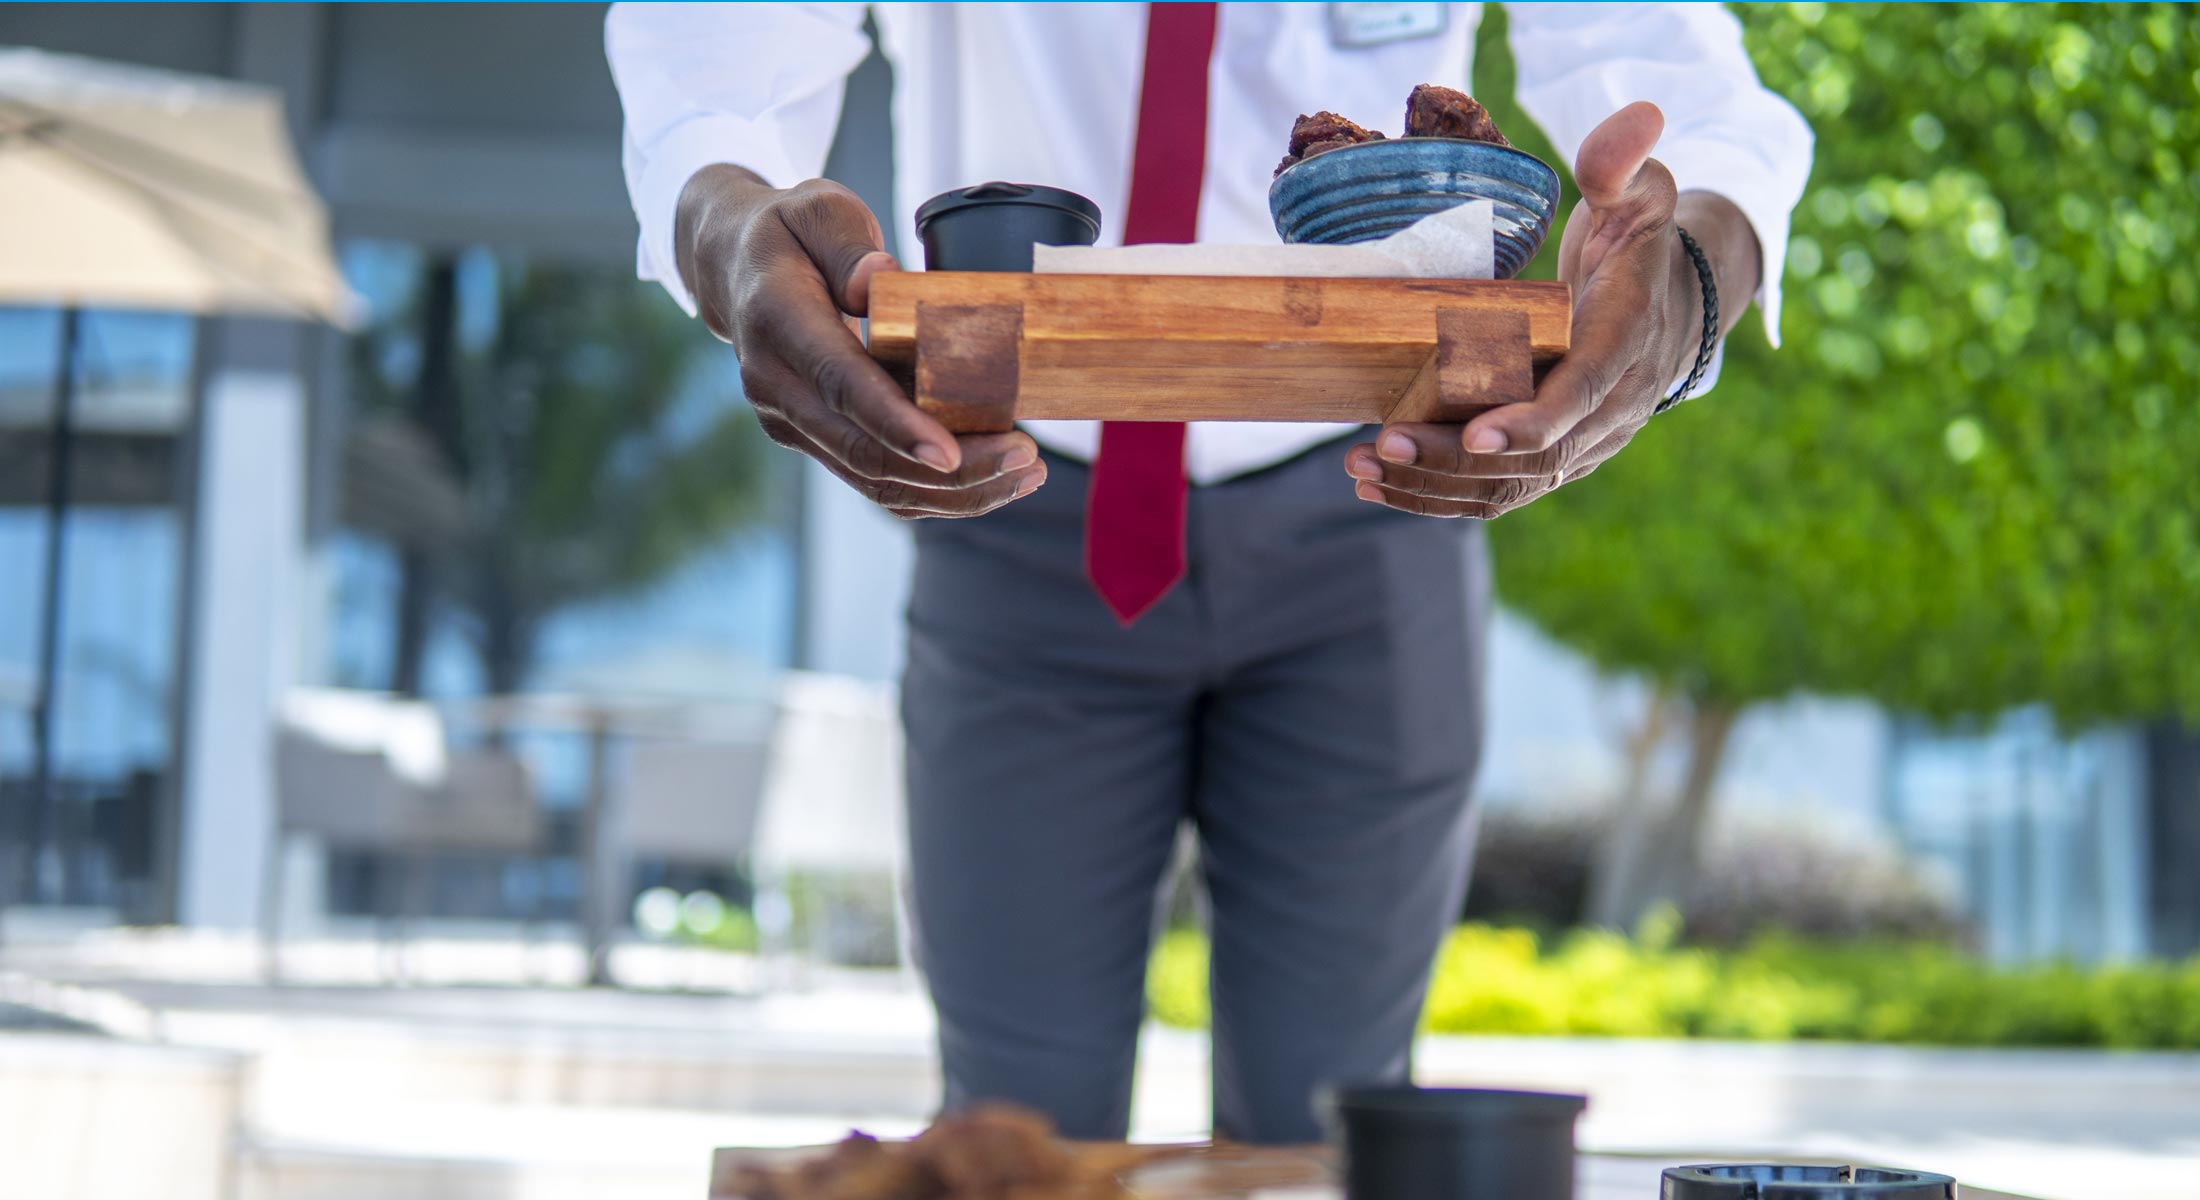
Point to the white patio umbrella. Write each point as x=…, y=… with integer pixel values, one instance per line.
x=126, y=187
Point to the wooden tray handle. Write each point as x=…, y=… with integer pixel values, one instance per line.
x=969, y=366
x=1481, y=361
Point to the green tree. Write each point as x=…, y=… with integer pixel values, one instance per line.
x=587, y=467
x=1969, y=481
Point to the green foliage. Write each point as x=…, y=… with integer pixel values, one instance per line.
x=1496, y=980
x=1176, y=980
x=842, y=916
x=589, y=467
x=582, y=383
x=734, y=932
x=1968, y=482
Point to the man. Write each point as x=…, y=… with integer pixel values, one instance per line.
x=1253, y=628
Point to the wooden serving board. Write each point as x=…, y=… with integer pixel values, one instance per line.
x=980, y=350
x=1191, y=1171
x=1226, y=1172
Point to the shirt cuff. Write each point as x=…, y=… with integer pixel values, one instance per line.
x=1741, y=177
x=1710, y=373
x=663, y=171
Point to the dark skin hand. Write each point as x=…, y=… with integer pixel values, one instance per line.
x=1638, y=319
x=782, y=274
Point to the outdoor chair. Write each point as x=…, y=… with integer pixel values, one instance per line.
x=368, y=773
x=691, y=802
x=345, y=799
x=832, y=822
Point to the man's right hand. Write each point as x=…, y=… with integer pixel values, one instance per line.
x=781, y=274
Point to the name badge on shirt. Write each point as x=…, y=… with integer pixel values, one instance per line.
x=1353, y=26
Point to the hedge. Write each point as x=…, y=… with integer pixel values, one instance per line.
x=1499, y=980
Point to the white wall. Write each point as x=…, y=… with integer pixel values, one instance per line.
x=89, y=1118
x=1556, y=727
x=855, y=568
x=2042, y=831
x=251, y=512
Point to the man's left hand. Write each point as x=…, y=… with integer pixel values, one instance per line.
x=1638, y=320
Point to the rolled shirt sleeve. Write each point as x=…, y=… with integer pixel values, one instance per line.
x=755, y=85
x=1725, y=132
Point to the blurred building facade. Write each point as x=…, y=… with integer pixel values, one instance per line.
x=223, y=548
x=223, y=535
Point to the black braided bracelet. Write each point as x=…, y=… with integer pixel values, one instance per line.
x=1710, y=322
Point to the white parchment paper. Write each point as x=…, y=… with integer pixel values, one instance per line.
x=1452, y=244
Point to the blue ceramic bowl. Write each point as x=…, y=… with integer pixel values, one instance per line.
x=1375, y=189
x=1738, y=1182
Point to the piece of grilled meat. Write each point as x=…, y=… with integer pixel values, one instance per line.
x=992, y=1152
x=1442, y=112
x=1431, y=111
x=1320, y=133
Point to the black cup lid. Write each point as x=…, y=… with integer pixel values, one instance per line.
x=987, y=194
x=1403, y=1102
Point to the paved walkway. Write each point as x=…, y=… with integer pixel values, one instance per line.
x=628, y=1090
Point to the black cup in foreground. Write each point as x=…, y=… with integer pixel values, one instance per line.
x=1408, y=1143
x=993, y=226
x=1770, y=1181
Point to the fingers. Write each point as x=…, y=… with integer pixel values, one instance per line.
x=1426, y=506
x=1607, y=342
x=1608, y=388
x=1426, y=491
x=856, y=294
x=802, y=330
x=842, y=238
x=997, y=468
x=796, y=415
x=794, y=267
x=1628, y=196
x=1610, y=162
x=1593, y=400
x=1504, y=493
x=796, y=308
x=1569, y=242
x=1442, y=449
x=1619, y=264
x=1429, y=483
x=913, y=501
x=1596, y=456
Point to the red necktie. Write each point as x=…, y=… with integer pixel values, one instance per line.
x=1134, y=518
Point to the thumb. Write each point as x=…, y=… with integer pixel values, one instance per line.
x=842, y=238
x=853, y=293
x=1608, y=170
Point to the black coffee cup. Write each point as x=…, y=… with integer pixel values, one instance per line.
x=1781, y=1181
x=1408, y=1143
x=993, y=226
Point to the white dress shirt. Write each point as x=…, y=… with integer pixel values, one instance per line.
x=1048, y=93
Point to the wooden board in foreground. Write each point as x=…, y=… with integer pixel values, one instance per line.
x=1209, y=1172
x=1191, y=1171
x=981, y=350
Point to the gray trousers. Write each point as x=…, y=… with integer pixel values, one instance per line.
x=1308, y=697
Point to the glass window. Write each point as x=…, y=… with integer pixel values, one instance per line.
x=121, y=584
x=552, y=485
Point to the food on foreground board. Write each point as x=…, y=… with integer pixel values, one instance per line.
x=1442, y=112
x=1431, y=111
x=996, y=1152
x=1322, y=132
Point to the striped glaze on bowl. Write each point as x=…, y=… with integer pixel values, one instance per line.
x=1372, y=190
